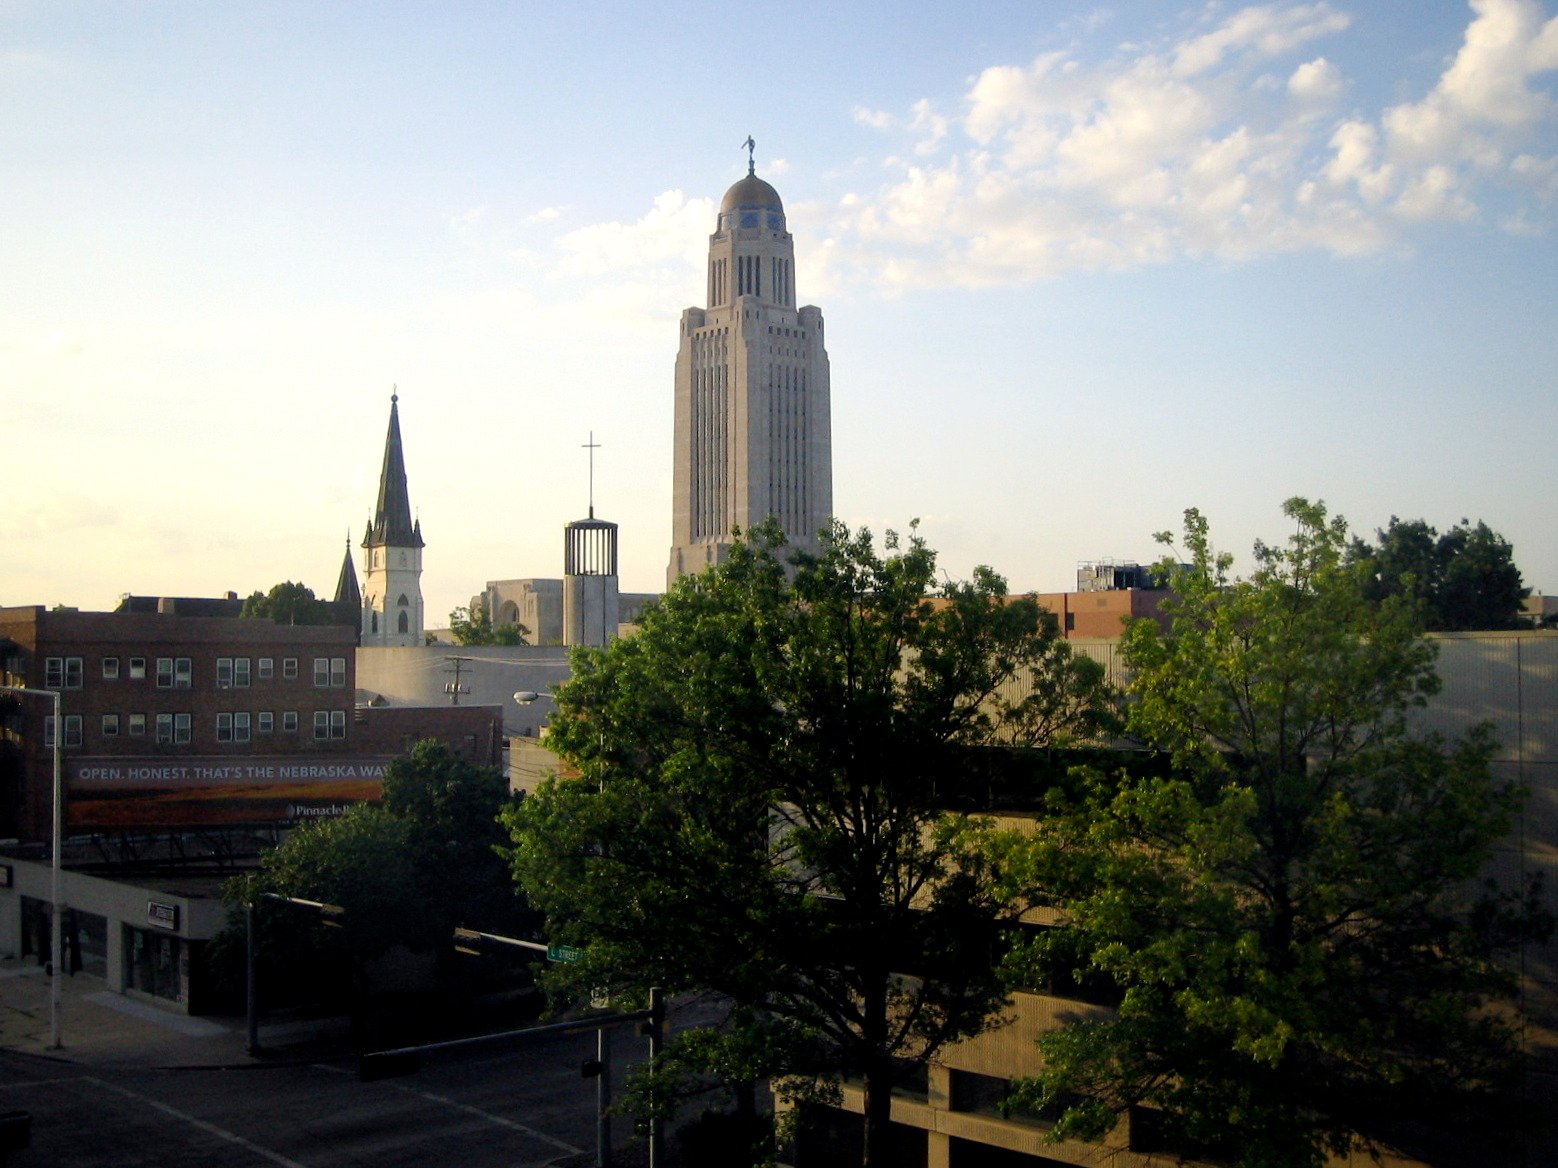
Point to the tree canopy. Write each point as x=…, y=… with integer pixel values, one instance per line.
x=473, y=626
x=1463, y=579
x=410, y=868
x=757, y=807
x=1290, y=916
x=288, y=603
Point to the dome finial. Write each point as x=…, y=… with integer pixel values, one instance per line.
x=394, y=394
x=751, y=148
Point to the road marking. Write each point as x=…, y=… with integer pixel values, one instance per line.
x=209, y=1128
x=501, y=1121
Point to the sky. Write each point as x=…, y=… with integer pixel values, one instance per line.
x=1082, y=266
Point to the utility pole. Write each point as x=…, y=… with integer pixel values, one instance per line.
x=453, y=688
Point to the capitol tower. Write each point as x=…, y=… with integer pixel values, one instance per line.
x=753, y=430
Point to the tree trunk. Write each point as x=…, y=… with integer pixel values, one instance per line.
x=878, y=1115
x=878, y=1068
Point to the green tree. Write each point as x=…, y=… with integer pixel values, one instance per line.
x=1291, y=915
x=408, y=869
x=757, y=811
x=1463, y=579
x=473, y=626
x=289, y=604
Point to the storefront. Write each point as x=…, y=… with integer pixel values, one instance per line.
x=140, y=939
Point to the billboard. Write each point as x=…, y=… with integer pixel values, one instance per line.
x=129, y=794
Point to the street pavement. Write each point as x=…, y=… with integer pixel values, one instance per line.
x=137, y=1085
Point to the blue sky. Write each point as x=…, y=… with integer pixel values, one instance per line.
x=1082, y=266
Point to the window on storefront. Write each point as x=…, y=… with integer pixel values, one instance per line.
x=154, y=963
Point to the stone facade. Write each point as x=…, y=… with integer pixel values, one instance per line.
x=753, y=429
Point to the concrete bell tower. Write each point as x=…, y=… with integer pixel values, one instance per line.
x=392, y=554
x=753, y=427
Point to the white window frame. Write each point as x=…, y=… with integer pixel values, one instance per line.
x=110, y=725
x=242, y=726
x=110, y=669
x=321, y=673
x=54, y=673
x=265, y=722
x=136, y=725
x=240, y=673
x=289, y=669
x=337, y=723
x=289, y=721
x=137, y=669
x=164, y=673
x=183, y=728
x=265, y=668
x=164, y=729
x=224, y=727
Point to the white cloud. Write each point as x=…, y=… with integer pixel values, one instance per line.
x=1265, y=31
x=545, y=215
x=1316, y=81
x=1223, y=141
x=675, y=230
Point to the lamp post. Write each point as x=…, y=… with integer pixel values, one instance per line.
x=56, y=982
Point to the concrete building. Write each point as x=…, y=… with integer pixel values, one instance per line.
x=753, y=429
x=953, y=1119
x=540, y=604
x=392, y=611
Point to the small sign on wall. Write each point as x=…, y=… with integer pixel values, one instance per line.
x=162, y=916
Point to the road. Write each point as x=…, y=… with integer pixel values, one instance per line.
x=525, y=1110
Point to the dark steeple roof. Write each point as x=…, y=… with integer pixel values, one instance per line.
x=347, y=594
x=392, y=524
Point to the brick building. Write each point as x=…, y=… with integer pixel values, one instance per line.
x=172, y=719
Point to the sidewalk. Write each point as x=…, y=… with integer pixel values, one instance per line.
x=101, y=1028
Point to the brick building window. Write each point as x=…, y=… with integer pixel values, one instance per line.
x=266, y=667
x=164, y=673
x=181, y=728
x=110, y=669
x=62, y=673
x=321, y=725
x=267, y=721
x=224, y=727
x=137, y=724
x=164, y=729
x=289, y=668
x=289, y=722
x=183, y=673
x=241, y=726
x=110, y=725
x=137, y=669
x=240, y=673
x=72, y=729
x=224, y=672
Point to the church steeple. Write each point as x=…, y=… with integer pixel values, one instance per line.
x=391, y=603
x=348, y=597
x=392, y=524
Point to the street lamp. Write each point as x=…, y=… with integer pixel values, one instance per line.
x=56, y=982
x=528, y=697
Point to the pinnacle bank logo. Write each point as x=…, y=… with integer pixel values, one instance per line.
x=303, y=811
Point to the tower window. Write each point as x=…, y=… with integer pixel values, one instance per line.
x=405, y=623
